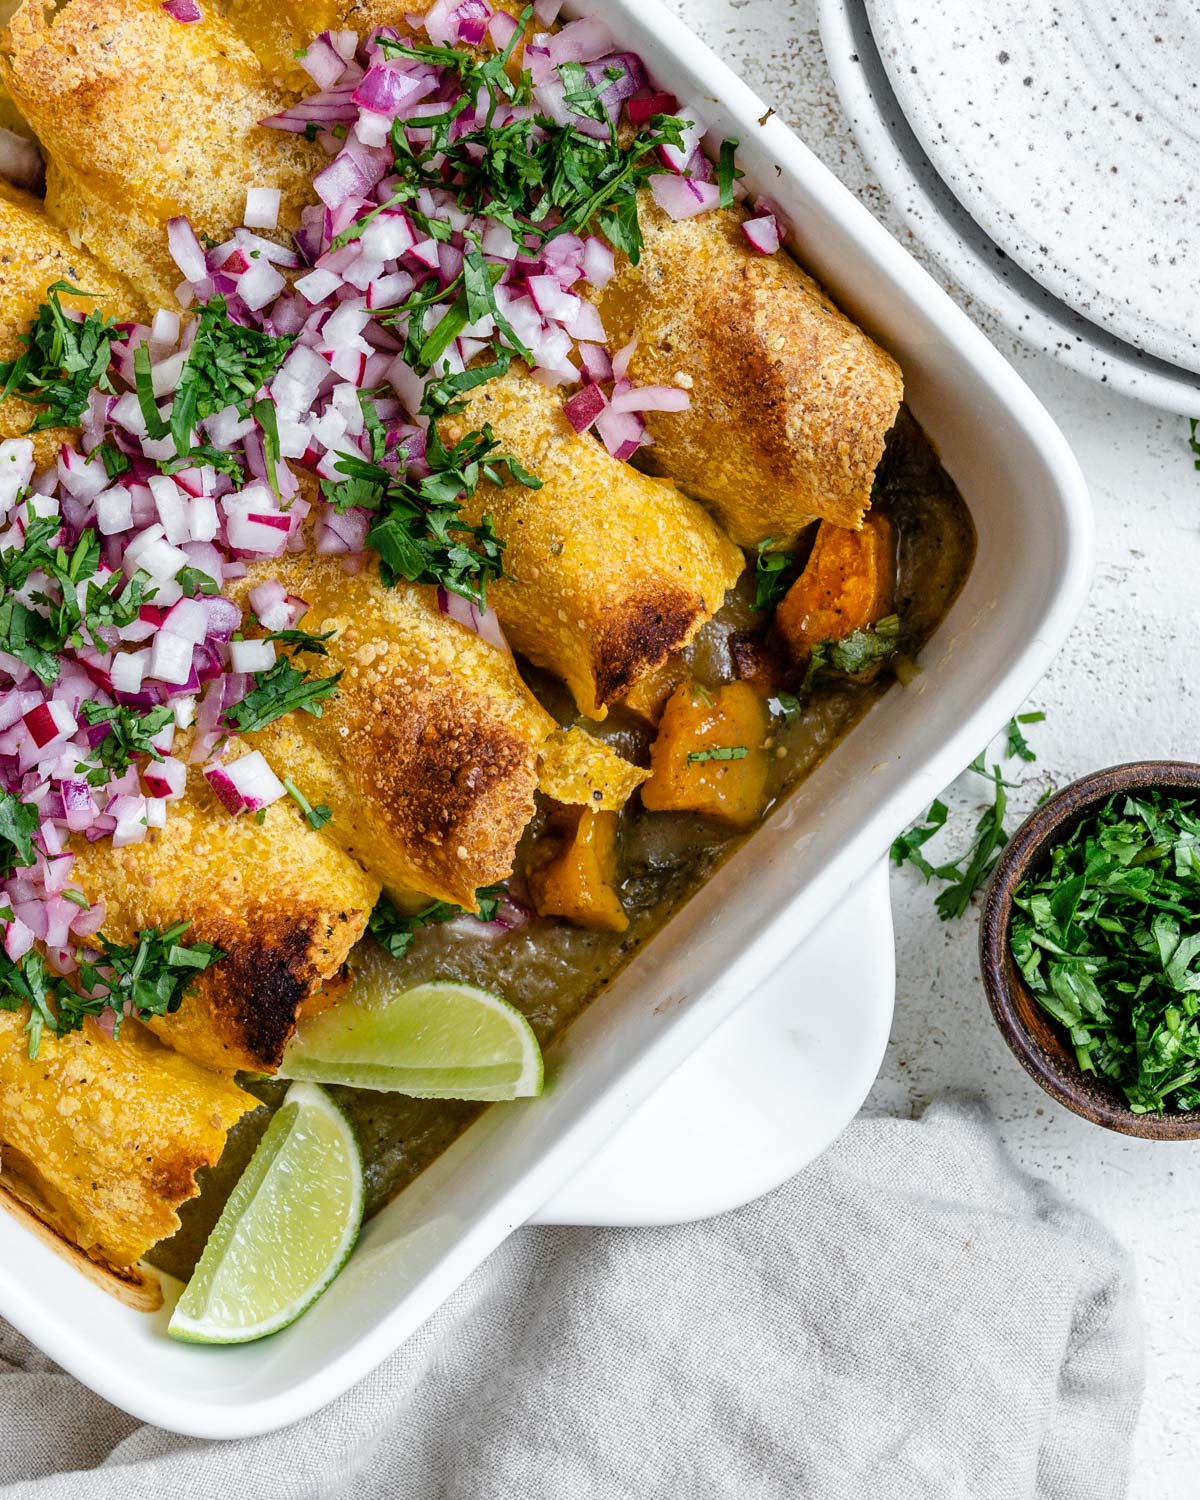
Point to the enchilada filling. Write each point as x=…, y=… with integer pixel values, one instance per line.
x=436, y=579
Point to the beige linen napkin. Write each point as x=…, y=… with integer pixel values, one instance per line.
x=909, y=1319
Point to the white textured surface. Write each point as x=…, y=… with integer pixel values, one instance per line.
x=1122, y=689
x=1066, y=142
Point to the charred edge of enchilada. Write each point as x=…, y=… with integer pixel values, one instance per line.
x=449, y=782
x=254, y=996
x=640, y=639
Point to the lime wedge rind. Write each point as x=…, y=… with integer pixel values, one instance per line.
x=240, y=1290
x=440, y=1040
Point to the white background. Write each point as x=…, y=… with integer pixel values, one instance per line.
x=1120, y=690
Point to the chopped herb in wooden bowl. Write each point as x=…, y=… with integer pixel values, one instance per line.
x=1108, y=941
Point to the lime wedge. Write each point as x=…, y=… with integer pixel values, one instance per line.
x=286, y=1230
x=435, y=1041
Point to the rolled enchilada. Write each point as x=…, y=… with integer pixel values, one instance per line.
x=607, y=572
x=143, y=119
x=428, y=753
x=106, y=1137
x=281, y=901
x=790, y=401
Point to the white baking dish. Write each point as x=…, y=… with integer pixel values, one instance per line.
x=1029, y=503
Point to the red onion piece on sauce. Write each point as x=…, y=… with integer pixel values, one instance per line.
x=183, y=10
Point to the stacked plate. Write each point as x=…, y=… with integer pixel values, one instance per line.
x=1048, y=157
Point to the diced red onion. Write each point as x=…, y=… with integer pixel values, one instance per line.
x=763, y=234
x=183, y=10
x=622, y=433
x=246, y=784
x=651, y=398
x=483, y=622
x=186, y=250
x=683, y=197
x=582, y=409
x=322, y=62
x=580, y=41
x=642, y=107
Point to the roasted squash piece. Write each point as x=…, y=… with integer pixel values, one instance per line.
x=579, y=882
x=648, y=696
x=708, y=757
x=846, y=585
x=583, y=771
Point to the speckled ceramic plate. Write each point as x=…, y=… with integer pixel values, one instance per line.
x=994, y=282
x=1070, y=133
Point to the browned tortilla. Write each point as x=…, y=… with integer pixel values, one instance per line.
x=790, y=401
x=281, y=901
x=428, y=753
x=144, y=118
x=607, y=572
x=106, y=1137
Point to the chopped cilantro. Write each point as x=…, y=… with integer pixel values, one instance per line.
x=281, y=690
x=147, y=978
x=1018, y=745
x=963, y=876
x=303, y=640
x=36, y=636
x=394, y=932
x=315, y=817
x=129, y=736
x=65, y=358
x=195, y=581
x=719, y=752
x=115, y=462
x=227, y=366
x=727, y=172
x=418, y=532
x=1194, y=442
x=537, y=177
x=771, y=575
x=854, y=654
x=1108, y=941
x=18, y=824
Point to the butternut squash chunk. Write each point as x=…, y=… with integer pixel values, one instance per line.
x=708, y=756
x=846, y=585
x=579, y=883
x=648, y=696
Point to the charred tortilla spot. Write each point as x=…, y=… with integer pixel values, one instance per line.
x=641, y=640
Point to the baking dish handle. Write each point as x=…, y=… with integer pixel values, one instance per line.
x=766, y=1093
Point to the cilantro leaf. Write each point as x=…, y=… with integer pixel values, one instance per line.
x=1018, y=745
x=1107, y=939
x=719, y=752
x=227, y=365
x=537, y=176
x=18, y=824
x=64, y=359
x=146, y=978
x=394, y=932
x=771, y=570
x=129, y=736
x=418, y=531
x=315, y=817
x=281, y=690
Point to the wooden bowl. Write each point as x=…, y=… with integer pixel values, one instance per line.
x=1038, y=1042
